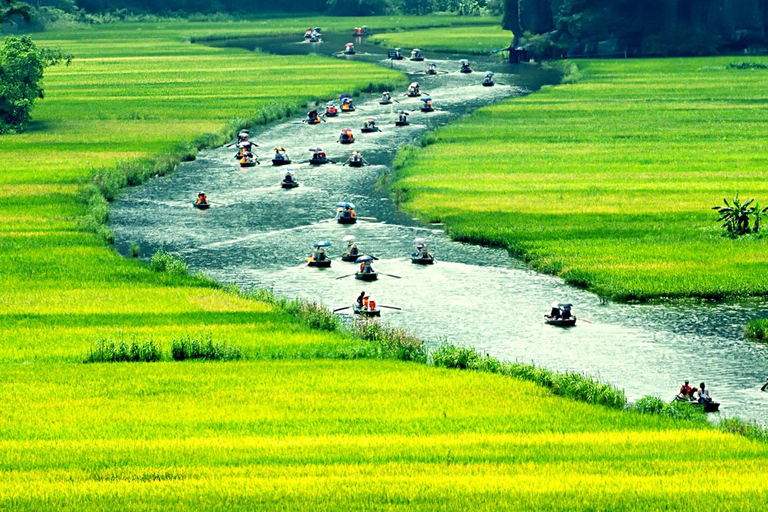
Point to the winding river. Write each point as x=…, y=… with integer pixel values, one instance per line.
x=258, y=235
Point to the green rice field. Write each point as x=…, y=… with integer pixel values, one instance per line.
x=609, y=182
x=293, y=425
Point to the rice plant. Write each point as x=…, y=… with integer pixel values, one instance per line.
x=188, y=347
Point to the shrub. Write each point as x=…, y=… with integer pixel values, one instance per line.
x=192, y=348
x=749, y=430
x=163, y=261
x=119, y=351
x=389, y=343
x=134, y=250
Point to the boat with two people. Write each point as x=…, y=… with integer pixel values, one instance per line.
x=331, y=109
x=349, y=49
x=402, y=118
x=431, y=69
x=318, y=258
x=386, y=98
x=488, y=80
x=560, y=315
x=369, y=126
x=416, y=55
x=347, y=103
x=201, y=203
x=289, y=181
x=414, y=90
x=365, y=306
x=356, y=160
x=366, y=272
x=313, y=117
x=345, y=213
x=281, y=156
x=318, y=157
x=699, y=397
x=249, y=160
x=352, y=252
x=427, y=105
x=346, y=136
x=243, y=136
x=465, y=68
x=422, y=256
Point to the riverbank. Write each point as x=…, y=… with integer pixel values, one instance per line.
x=286, y=427
x=609, y=182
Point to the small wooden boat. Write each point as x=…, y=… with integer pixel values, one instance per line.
x=250, y=163
x=347, y=220
x=331, y=113
x=489, y=84
x=319, y=264
x=201, y=206
x=707, y=407
x=318, y=161
x=347, y=141
x=427, y=109
x=369, y=130
x=355, y=163
x=385, y=102
x=560, y=322
x=349, y=258
x=367, y=276
x=402, y=123
x=365, y=312
x=289, y=184
x=280, y=162
x=423, y=261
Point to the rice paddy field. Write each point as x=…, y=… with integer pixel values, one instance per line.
x=292, y=425
x=466, y=40
x=609, y=182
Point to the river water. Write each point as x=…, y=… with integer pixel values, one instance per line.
x=258, y=235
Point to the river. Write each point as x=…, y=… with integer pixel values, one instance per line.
x=258, y=235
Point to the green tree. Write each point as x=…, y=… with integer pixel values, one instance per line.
x=9, y=8
x=21, y=74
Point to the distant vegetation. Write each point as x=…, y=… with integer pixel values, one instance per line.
x=608, y=182
x=555, y=28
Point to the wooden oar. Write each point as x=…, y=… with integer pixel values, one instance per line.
x=391, y=307
x=342, y=277
x=368, y=218
x=585, y=320
x=390, y=275
x=341, y=309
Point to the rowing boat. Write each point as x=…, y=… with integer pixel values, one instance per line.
x=349, y=258
x=365, y=312
x=280, y=162
x=287, y=184
x=423, y=261
x=355, y=163
x=366, y=276
x=560, y=322
x=201, y=206
x=319, y=264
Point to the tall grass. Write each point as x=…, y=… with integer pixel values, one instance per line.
x=122, y=351
x=188, y=347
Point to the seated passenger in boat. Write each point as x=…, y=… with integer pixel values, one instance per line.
x=703, y=393
x=319, y=254
x=555, y=312
x=371, y=303
x=386, y=97
x=686, y=392
x=366, y=268
x=201, y=198
x=288, y=178
x=353, y=249
x=360, y=299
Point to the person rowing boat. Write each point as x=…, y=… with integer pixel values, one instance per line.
x=356, y=160
x=369, y=126
x=281, y=156
x=402, y=118
x=318, y=257
x=386, y=98
x=465, y=66
x=201, y=202
x=488, y=80
x=353, y=251
x=414, y=90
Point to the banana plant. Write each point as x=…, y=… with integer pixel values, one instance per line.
x=759, y=213
x=735, y=216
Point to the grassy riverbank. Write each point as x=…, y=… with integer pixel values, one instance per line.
x=292, y=425
x=609, y=182
x=465, y=40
